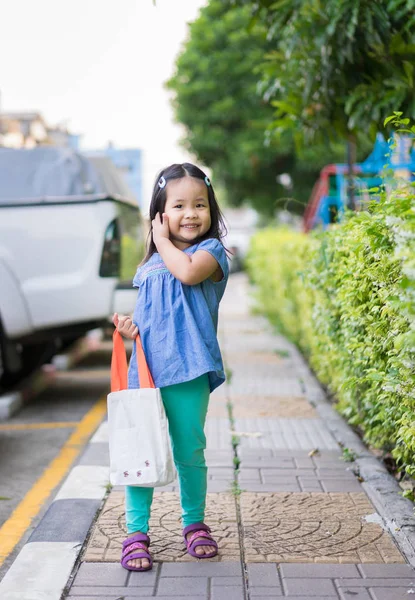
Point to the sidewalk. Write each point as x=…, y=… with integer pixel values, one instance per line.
x=292, y=519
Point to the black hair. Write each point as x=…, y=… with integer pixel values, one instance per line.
x=217, y=227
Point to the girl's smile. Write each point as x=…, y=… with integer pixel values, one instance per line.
x=187, y=207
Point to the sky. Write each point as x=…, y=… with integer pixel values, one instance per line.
x=98, y=66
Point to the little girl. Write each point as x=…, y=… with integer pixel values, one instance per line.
x=181, y=282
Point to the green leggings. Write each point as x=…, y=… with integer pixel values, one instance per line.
x=186, y=406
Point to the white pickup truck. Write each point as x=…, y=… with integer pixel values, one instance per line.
x=70, y=239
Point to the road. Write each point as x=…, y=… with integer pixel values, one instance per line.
x=39, y=445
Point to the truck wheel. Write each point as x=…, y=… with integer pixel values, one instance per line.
x=16, y=362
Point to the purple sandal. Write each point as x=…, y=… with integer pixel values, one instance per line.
x=136, y=543
x=200, y=530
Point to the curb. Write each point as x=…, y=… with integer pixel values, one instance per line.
x=380, y=486
x=43, y=566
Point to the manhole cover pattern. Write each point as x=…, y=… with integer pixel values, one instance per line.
x=263, y=357
x=165, y=528
x=218, y=406
x=313, y=527
x=272, y=406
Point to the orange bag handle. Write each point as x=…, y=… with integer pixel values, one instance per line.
x=119, y=369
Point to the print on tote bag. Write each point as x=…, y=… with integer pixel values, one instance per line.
x=139, y=442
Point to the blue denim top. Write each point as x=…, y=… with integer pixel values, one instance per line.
x=178, y=323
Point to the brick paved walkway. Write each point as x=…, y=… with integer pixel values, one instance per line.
x=291, y=517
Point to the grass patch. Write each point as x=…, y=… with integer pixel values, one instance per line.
x=348, y=455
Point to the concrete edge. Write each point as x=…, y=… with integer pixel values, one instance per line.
x=40, y=571
x=50, y=554
x=10, y=404
x=380, y=486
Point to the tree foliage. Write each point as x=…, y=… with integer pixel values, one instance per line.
x=216, y=98
x=336, y=66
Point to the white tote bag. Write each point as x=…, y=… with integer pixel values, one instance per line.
x=139, y=442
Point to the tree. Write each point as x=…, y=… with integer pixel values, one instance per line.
x=336, y=68
x=216, y=98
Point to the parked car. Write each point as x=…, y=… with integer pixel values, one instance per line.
x=68, y=224
x=241, y=224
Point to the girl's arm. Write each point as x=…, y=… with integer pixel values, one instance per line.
x=190, y=270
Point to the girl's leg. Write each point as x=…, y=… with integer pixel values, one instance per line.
x=186, y=406
x=137, y=514
x=137, y=508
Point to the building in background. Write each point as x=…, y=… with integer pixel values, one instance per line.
x=29, y=129
x=129, y=163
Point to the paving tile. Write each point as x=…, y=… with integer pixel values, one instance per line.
x=221, y=581
x=290, y=570
x=382, y=582
x=183, y=586
x=290, y=479
x=334, y=473
x=165, y=528
x=246, y=384
x=227, y=592
x=206, y=568
x=262, y=342
x=389, y=571
x=219, y=486
x=114, y=597
x=221, y=473
x=98, y=574
x=252, y=486
x=276, y=473
x=212, y=454
x=218, y=406
x=143, y=578
x=397, y=593
x=218, y=435
x=255, y=452
x=288, y=434
x=263, y=462
x=263, y=575
x=341, y=485
x=265, y=592
x=313, y=527
x=355, y=593
x=102, y=591
x=313, y=485
x=312, y=587
x=260, y=358
x=162, y=597
x=249, y=475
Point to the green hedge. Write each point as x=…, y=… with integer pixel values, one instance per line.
x=346, y=297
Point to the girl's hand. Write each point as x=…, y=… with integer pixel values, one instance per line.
x=125, y=326
x=160, y=227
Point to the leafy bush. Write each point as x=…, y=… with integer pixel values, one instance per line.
x=346, y=296
x=132, y=253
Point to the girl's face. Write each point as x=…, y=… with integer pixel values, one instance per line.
x=187, y=207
